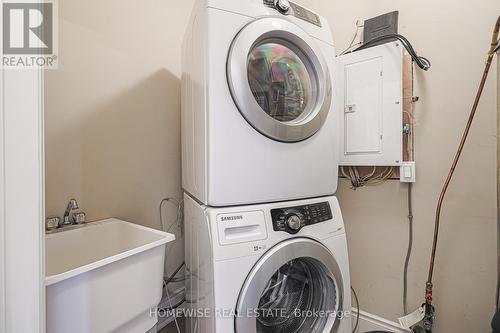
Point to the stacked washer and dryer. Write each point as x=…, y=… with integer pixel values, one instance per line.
x=266, y=249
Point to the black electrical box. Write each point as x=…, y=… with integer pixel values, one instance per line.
x=379, y=26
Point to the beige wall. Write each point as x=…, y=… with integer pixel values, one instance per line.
x=455, y=36
x=112, y=141
x=112, y=110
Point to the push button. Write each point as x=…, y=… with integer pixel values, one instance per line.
x=293, y=222
x=282, y=6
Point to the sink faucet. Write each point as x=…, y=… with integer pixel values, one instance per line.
x=72, y=205
x=54, y=224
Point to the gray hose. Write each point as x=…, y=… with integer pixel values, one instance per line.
x=408, y=253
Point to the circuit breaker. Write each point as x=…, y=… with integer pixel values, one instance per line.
x=370, y=106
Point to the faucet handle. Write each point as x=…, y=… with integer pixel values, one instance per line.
x=66, y=220
x=52, y=223
x=79, y=218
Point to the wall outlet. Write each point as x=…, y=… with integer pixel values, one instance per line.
x=407, y=172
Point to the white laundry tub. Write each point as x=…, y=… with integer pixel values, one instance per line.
x=104, y=277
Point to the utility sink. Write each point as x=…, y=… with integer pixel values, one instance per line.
x=105, y=276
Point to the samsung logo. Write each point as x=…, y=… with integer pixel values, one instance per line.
x=231, y=218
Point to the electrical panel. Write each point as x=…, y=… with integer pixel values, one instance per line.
x=370, y=106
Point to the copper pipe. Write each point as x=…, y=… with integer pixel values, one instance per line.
x=494, y=44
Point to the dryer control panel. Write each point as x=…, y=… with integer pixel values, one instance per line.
x=290, y=8
x=292, y=219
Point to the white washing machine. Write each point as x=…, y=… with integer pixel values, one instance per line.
x=257, y=107
x=267, y=268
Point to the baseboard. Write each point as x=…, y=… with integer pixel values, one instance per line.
x=370, y=322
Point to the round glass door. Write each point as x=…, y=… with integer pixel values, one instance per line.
x=296, y=291
x=295, y=288
x=279, y=80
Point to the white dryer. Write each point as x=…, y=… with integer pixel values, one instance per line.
x=257, y=107
x=267, y=268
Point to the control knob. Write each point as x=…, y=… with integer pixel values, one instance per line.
x=282, y=5
x=293, y=222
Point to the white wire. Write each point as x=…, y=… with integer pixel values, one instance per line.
x=371, y=173
x=178, y=220
x=343, y=172
x=380, y=178
x=351, y=44
x=171, y=307
x=370, y=179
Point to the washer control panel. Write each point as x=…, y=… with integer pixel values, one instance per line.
x=292, y=219
x=286, y=7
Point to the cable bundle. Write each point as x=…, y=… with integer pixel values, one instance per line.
x=371, y=179
x=421, y=62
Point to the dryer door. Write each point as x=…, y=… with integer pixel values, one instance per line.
x=295, y=287
x=279, y=79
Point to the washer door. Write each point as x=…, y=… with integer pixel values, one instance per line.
x=279, y=80
x=296, y=287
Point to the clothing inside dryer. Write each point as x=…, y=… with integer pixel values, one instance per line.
x=294, y=295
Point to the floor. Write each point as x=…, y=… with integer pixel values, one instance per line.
x=170, y=328
x=364, y=326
